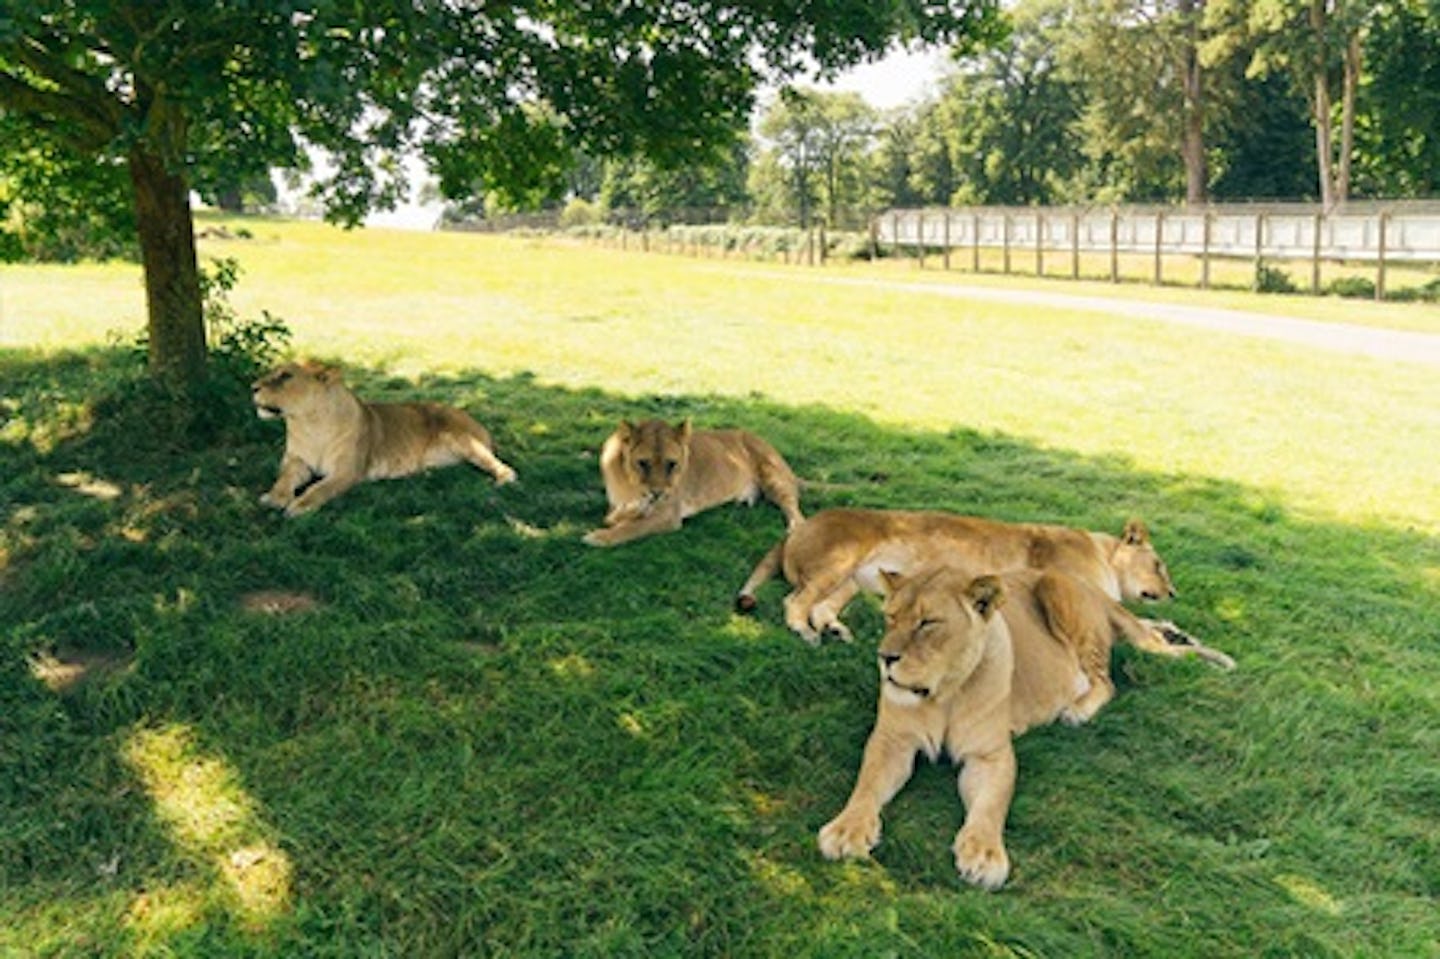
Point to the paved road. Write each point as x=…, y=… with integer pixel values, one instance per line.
x=1398, y=345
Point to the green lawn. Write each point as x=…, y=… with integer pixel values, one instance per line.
x=476, y=736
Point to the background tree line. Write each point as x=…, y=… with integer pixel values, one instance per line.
x=1085, y=101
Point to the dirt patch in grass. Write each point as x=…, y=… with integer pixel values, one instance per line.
x=277, y=602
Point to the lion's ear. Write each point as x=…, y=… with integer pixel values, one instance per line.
x=986, y=594
x=684, y=429
x=890, y=581
x=625, y=430
x=1136, y=534
x=321, y=372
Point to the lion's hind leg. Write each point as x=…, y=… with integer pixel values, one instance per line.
x=1164, y=638
x=472, y=444
x=1065, y=611
x=781, y=487
x=825, y=615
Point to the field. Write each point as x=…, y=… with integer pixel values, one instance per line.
x=429, y=721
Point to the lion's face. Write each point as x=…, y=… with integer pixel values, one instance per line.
x=936, y=630
x=1140, y=569
x=654, y=455
x=292, y=388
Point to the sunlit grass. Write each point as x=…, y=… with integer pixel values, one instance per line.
x=213, y=819
x=1339, y=434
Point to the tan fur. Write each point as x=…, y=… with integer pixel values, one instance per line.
x=838, y=552
x=657, y=474
x=967, y=664
x=333, y=439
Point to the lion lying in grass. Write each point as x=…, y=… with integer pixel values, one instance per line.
x=334, y=439
x=967, y=664
x=656, y=475
x=838, y=552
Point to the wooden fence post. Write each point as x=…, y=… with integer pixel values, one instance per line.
x=1005, y=242
x=920, y=240
x=1205, y=249
x=1074, y=246
x=1319, y=225
x=895, y=232
x=1259, y=246
x=1159, y=246
x=1039, y=244
x=975, y=242
x=874, y=238
x=945, y=240
x=1114, y=246
x=1380, y=265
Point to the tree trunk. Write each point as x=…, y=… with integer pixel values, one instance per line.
x=1197, y=173
x=1347, y=117
x=1324, y=144
x=176, y=323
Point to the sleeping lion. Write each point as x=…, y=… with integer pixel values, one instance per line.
x=838, y=552
x=334, y=439
x=656, y=475
x=967, y=664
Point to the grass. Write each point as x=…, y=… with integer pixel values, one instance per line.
x=470, y=734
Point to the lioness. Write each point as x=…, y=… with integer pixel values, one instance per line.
x=657, y=474
x=334, y=439
x=966, y=664
x=837, y=552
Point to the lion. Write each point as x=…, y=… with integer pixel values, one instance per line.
x=334, y=439
x=657, y=474
x=838, y=552
x=966, y=665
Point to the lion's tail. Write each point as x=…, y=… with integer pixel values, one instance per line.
x=764, y=571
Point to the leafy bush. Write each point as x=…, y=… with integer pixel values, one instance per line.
x=1269, y=279
x=218, y=410
x=1426, y=293
x=1355, y=287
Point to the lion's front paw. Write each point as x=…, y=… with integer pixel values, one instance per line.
x=849, y=835
x=598, y=537
x=274, y=500
x=981, y=860
x=505, y=475
x=298, y=508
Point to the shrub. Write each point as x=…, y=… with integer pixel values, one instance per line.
x=1355, y=287
x=219, y=410
x=1269, y=279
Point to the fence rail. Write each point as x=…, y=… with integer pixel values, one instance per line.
x=1370, y=233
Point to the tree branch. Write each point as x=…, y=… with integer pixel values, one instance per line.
x=88, y=132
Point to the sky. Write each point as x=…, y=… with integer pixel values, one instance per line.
x=896, y=80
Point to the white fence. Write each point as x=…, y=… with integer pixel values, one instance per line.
x=1369, y=233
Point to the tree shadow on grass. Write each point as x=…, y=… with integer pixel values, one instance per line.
x=460, y=730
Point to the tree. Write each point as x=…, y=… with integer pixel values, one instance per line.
x=1009, y=116
x=1151, y=97
x=821, y=139
x=496, y=96
x=1319, y=44
x=641, y=185
x=1398, y=130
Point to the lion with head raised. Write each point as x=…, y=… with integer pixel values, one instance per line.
x=657, y=474
x=966, y=665
x=838, y=552
x=334, y=439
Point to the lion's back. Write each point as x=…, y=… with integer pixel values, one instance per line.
x=405, y=438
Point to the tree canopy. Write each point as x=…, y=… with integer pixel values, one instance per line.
x=494, y=98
